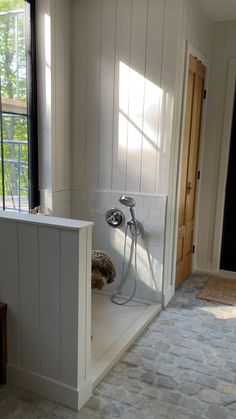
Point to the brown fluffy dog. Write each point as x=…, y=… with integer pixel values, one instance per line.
x=103, y=270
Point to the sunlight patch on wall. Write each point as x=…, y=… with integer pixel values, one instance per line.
x=139, y=105
x=145, y=114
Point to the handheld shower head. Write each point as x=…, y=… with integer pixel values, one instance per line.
x=128, y=201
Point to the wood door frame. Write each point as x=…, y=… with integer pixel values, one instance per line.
x=171, y=224
x=189, y=166
x=191, y=50
x=225, y=147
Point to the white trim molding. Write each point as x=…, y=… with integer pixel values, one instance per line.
x=48, y=388
x=46, y=284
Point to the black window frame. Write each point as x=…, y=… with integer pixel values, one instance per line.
x=34, y=198
x=33, y=176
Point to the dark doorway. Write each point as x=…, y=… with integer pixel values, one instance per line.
x=228, y=245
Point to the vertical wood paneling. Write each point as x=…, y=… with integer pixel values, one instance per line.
x=121, y=93
x=154, y=40
x=129, y=119
x=44, y=69
x=59, y=53
x=29, y=297
x=187, y=18
x=108, y=47
x=82, y=304
x=69, y=305
x=152, y=96
x=93, y=92
x=55, y=87
x=172, y=27
x=50, y=70
x=9, y=286
x=67, y=96
x=194, y=28
x=171, y=34
x=48, y=292
x=88, y=303
x=49, y=296
x=79, y=84
x=136, y=94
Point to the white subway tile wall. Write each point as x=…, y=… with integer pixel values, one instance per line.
x=57, y=203
x=150, y=210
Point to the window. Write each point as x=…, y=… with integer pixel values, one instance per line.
x=18, y=134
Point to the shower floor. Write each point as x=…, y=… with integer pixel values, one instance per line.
x=114, y=328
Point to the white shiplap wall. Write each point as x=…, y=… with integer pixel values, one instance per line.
x=53, y=75
x=123, y=78
x=197, y=27
x=127, y=78
x=61, y=55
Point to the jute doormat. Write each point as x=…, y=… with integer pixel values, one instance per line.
x=220, y=290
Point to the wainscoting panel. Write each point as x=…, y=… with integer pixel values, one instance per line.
x=46, y=283
x=29, y=301
x=69, y=300
x=49, y=296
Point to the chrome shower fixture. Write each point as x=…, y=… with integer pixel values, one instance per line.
x=134, y=227
x=115, y=217
x=128, y=201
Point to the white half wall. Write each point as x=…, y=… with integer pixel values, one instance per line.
x=46, y=284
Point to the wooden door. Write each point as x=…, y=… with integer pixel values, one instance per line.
x=189, y=169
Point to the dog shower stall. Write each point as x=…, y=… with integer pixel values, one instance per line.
x=121, y=134
x=117, y=121
x=122, y=309
x=61, y=339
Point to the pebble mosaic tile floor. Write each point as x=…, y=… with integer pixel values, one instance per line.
x=183, y=366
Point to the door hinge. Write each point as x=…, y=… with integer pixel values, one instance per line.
x=193, y=248
x=204, y=94
x=198, y=174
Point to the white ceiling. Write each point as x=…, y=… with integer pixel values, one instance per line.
x=219, y=10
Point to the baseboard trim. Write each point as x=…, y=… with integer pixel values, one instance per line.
x=50, y=389
x=168, y=295
x=227, y=274
x=220, y=273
